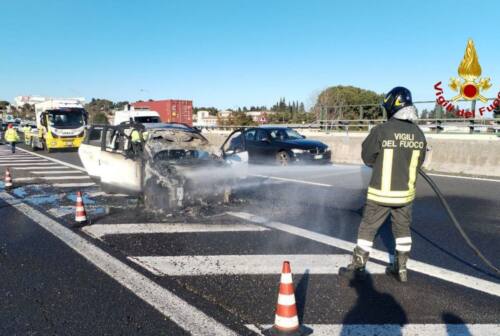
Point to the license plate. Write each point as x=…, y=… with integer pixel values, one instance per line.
x=318, y=157
x=69, y=143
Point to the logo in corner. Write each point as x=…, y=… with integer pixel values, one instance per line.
x=469, y=86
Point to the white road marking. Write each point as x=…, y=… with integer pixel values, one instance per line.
x=23, y=160
x=170, y=305
x=72, y=185
x=102, y=193
x=465, y=177
x=40, y=167
x=417, y=266
x=292, y=180
x=395, y=329
x=100, y=230
x=25, y=179
x=39, y=172
x=55, y=160
x=246, y=264
x=13, y=164
x=67, y=177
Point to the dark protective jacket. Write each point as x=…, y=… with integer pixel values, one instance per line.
x=395, y=150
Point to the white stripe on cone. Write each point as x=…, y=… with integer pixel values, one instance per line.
x=286, y=322
x=286, y=278
x=286, y=299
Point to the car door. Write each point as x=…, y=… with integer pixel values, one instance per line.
x=235, y=154
x=250, y=145
x=118, y=172
x=90, y=152
x=264, y=147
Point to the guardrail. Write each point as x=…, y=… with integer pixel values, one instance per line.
x=491, y=125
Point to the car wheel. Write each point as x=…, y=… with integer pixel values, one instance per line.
x=282, y=158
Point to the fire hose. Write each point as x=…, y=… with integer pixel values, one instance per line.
x=455, y=221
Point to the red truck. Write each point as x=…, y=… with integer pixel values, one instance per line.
x=170, y=110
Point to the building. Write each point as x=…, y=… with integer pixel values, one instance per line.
x=204, y=119
x=170, y=110
x=20, y=101
x=260, y=117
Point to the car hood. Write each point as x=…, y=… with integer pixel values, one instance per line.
x=305, y=144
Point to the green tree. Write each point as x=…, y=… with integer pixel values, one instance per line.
x=496, y=112
x=99, y=118
x=336, y=103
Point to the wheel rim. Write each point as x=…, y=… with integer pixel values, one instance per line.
x=283, y=159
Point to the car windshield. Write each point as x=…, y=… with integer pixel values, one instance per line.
x=62, y=119
x=284, y=134
x=147, y=119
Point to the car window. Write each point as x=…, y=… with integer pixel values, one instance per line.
x=94, y=137
x=277, y=134
x=250, y=135
x=261, y=135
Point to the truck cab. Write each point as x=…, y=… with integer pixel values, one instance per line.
x=60, y=124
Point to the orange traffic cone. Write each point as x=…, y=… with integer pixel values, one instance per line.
x=286, y=322
x=8, y=179
x=81, y=215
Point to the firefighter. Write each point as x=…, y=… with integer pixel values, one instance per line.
x=395, y=150
x=11, y=137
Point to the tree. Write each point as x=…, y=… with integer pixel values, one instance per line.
x=99, y=118
x=424, y=114
x=336, y=102
x=4, y=104
x=26, y=111
x=496, y=112
x=99, y=106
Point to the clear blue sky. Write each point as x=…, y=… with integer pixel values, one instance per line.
x=229, y=53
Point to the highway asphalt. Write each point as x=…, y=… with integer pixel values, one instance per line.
x=217, y=266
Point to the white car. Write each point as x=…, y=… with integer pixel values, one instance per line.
x=173, y=165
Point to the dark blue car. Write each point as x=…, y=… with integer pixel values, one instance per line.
x=281, y=145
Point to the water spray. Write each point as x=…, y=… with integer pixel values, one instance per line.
x=456, y=223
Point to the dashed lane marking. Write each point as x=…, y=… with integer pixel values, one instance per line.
x=14, y=164
x=417, y=266
x=100, y=230
x=465, y=177
x=246, y=264
x=50, y=172
x=66, y=177
x=72, y=185
x=394, y=329
x=23, y=160
x=44, y=167
x=54, y=160
x=166, y=302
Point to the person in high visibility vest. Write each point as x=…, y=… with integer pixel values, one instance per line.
x=26, y=130
x=11, y=137
x=136, y=139
x=395, y=150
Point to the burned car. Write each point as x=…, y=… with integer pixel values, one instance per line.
x=171, y=166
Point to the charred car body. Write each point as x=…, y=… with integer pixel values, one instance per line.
x=172, y=165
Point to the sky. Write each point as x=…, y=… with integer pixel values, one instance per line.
x=231, y=53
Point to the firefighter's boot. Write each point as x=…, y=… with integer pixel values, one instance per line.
x=398, y=268
x=356, y=269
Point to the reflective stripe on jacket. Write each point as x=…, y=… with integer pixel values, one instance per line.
x=11, y=135
x=395, y=150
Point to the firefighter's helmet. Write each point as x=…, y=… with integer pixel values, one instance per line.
x=396, y=99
